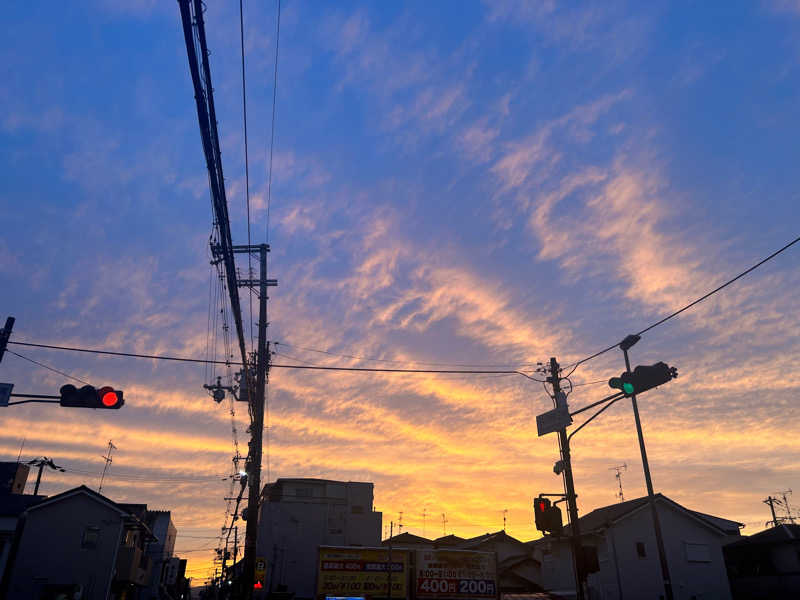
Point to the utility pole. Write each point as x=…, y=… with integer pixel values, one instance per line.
x=5, y=333
x=569, y=484
x=389, y=563
x=256, y=399
x=625, y=345
x=108, y=460
x=772, y=501
x=41, y=463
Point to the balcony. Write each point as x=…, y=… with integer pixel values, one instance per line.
x=133, y=566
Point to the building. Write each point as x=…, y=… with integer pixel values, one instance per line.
x=13, y=503
x=765, y=565
x=78, y=542
x=622, y=535
x=518, y=572
x=299, y=515
x=161, y=551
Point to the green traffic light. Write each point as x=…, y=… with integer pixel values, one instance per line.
x=627, y=388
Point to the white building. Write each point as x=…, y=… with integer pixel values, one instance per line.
x=628, y=557
x=299, y=515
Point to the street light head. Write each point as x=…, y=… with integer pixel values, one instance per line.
x=629, y=342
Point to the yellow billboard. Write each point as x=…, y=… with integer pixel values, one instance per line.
x=361, y=572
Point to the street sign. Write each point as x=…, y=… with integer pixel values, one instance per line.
x=5, y=393
x=553, y=420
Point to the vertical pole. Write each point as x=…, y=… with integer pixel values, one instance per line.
x=389, y=562
x=5, y=333
x=39, y=479
x=235, y=544
x=256, y=432
x=651, y=499
x=572, y=504
x=770, y=500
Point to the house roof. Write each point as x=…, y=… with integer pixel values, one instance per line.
x=601, y=517
x=407, y=538
x=449, y=540
x=773, y=535
x=97, y=497
x=82, y=489
x=497, y=536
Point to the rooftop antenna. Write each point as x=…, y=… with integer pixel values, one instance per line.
x=789, y=516
x=618, y=475
x=108, y=460
x=505, y=513
x=444, y=525
x=21, y=446
x=424, y=514
x=400, y=523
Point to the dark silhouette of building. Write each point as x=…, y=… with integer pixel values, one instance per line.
x=765, y=565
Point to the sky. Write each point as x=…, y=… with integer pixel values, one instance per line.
x=453, y=183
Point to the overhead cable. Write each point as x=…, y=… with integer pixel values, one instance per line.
x=688, y=306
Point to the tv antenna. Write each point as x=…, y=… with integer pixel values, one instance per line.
x=618, y=475
x=400, y=523
x=424, y=514
x=444, y=524
x=108, y=460
x=505, y=514
x=784, y=495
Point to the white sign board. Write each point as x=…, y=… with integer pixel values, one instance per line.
x=553, y=420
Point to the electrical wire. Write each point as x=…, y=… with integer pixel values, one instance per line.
x=688, y=306
x=272, y=129
x=410, y=362
x=246, y=166
x=279, y=366
x=49, y=368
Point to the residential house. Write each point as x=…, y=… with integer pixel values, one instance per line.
x=623, y=536
x=518, y=572
x=765, y=565
x=13, y=503
x=78, y=542
x=299, y=515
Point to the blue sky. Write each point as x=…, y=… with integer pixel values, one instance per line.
x=482, y=183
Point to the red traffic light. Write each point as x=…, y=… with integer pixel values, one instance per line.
x=89, y=397
x=108, y=397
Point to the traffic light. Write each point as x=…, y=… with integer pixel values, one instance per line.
x=643, y=378
x=90, y=397
x=540, y=506
x=547, y=516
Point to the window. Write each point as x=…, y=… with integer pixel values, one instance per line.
x=90, y=537
x=641, y=551
x=697, y=552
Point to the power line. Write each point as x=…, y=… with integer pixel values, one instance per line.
x=272, y=129
x=279, y=366
x=412, y=362
x=690, y=305
x=246, y=166
x=48, y=367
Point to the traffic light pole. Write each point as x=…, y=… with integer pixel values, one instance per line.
x=651, y=500
x=572, y=505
